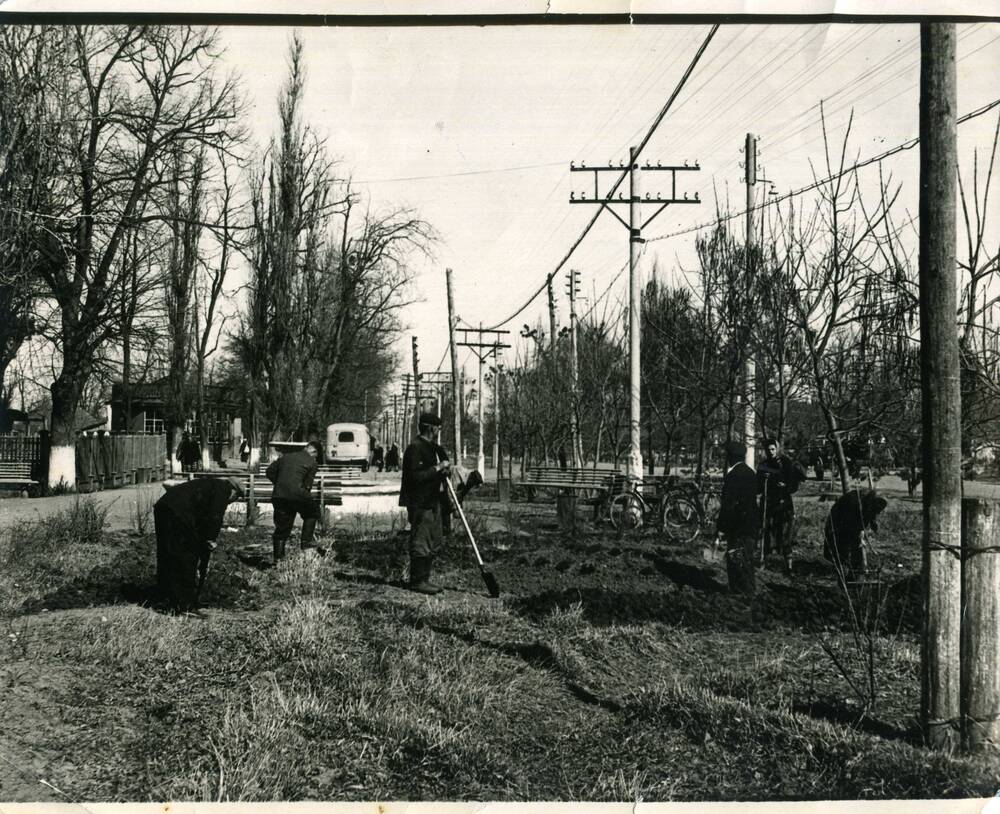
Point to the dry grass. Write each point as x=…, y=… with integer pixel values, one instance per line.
x=338, y=687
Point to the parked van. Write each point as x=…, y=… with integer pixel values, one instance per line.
x=348, y=444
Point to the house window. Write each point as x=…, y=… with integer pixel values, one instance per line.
x=153, y=425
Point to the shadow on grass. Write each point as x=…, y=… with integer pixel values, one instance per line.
x=130, y=578
x=836, y=711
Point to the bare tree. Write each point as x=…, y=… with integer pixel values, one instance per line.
x=31, y=59
x=132, y=95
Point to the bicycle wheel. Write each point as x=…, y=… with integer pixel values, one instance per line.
x=625, y=512
x=680, y=518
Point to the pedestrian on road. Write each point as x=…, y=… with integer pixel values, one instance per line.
x=292, y=475
x=245, y=450
x=189, y=453
x=188, y=519
x=392, y=459
x=738, y=525
x=420, y=492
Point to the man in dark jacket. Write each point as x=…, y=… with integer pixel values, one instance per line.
x=850, y=516
x=739, y=519
x=778, y=478
x=187, y=519
x=292, y=475
x=424, y=472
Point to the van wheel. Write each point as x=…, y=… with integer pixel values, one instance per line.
x=364, y=466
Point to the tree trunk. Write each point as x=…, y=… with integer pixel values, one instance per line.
x=66, y=392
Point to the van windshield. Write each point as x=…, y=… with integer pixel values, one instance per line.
x=346, y=437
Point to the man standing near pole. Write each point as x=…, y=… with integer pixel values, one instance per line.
x=420, y=492
x=778, y=477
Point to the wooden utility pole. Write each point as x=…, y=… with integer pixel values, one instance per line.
x=481, y=454
x=939, y=374
x=404, y=418
x=395, y=420
x=635, y=225
x=574, y=371
x=552, y=318
x=634, y=468
x=456, y=390
x=497, y=463
x=750, y=370
x=483, y=350
x=417, y=407
x=980, y=647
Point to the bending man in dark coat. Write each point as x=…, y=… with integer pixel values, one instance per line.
x=739, y=519
x=292, y=475
x=188, y=518
x=849, y=518
x=421, y=490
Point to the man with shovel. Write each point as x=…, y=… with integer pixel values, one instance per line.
x=424, y=473
x=778, y=478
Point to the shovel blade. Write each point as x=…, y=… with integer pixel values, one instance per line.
x=491, y=584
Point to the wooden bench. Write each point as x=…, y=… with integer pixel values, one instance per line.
x=327, y=487
x=16, y=473
x=603, y=481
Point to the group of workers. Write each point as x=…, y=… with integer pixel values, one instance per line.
x=189, y=516
x=757, y=516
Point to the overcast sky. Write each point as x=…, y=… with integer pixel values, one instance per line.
x=475, y=129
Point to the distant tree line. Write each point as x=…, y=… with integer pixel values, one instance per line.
x=824, y=299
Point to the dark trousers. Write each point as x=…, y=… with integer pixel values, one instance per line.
x=284, y=516
x=740, y=565
x=779, y=530
x=425, y=531
x=178, y=553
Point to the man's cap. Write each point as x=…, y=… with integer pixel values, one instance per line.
x=768, y=440
x=429, y=420
x=735, y=449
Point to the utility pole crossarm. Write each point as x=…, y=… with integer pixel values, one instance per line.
x=635, y=224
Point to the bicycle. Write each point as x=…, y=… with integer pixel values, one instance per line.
x=687, y=509
x=672, y=510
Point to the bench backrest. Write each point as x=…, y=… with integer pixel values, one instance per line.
x=327, y=486
x=598, y=478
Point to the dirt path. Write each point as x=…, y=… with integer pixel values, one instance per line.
x=121, y=504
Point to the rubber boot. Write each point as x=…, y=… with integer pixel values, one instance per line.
x=306, y=541
x=278, y=549
x=420, y=575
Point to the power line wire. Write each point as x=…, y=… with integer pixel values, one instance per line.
x=642, y=144
x=906, y=145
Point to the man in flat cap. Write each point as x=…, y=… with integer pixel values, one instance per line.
x=739, y=519
x=425, y=467
x=187, y=519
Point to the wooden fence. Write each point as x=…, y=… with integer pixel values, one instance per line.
x=103, y=462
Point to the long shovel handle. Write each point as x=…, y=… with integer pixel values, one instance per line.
x=461, y=514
